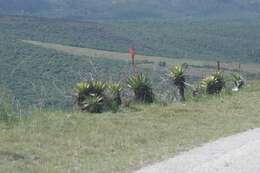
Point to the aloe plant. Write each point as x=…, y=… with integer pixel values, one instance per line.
x=115, y=90
x=214, y=83
x=88, y=92
x=80, y=90
x=142, y=88
x=92, y=103
x=177, y=73
x=238, y=81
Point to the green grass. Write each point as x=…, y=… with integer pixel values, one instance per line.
x=58, y=142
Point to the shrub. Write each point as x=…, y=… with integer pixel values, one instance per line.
x=214, y=83
x=90, y=96
x=238, y=81
x=142, y=88
x=177, y=73
x=115, y=90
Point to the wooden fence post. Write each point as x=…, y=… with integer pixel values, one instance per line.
x=218, y=65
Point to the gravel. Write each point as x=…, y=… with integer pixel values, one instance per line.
x=235, y=154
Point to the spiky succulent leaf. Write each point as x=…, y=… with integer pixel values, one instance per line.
x=93, y=103
x=176, y=71
x=236, y=77
x=115, y=88
x=238, y=80
x=141, y=86
x=137, y=81
x=218, y=75
x=207, y=81
x=214, y=83
x=89, y=94
x=98, y=86
x=81, y=87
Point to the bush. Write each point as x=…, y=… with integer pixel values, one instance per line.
x=142, y=88
x=214, y=83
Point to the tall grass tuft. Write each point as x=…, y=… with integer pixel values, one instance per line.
x=7, y=113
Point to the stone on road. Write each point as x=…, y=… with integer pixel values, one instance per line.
x=235, y=154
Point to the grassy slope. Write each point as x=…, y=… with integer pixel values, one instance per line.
x=34, y=74
x=112, y=55
x=40, y=76
x=56, y=142
x=207, y=39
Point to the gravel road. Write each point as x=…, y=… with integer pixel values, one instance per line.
x=235, y=154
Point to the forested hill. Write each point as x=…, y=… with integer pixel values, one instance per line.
x=129, y=9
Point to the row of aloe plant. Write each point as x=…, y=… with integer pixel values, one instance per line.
x=96, y=96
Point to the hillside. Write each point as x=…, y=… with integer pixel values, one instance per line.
x=129, y=9
x=210, y=39
x=45, y=76
x=58, y=142
x=196, y=78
